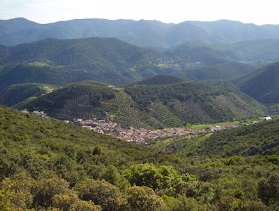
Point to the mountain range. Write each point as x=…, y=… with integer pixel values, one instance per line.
x=111, y=61
x=133, y=77
x=143, y=33
x=96, y=58
x=36, y=73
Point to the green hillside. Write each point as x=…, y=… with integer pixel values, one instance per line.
x=102, y=59
x=196, y=52
x=77, y=53
x=254, y=51
x=108, y=60
x=256, y=139
x=153, y=103
x=60, y=156
x=263, y=85
x=192, y=102
x=49, y=165
x=56, y=75
x=18, y=93
x=219, y=72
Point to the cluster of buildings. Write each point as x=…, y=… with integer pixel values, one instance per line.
x=131, y=134
x=135, y=135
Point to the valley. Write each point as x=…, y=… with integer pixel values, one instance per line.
x=98, y=115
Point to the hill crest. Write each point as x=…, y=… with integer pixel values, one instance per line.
x=143, y=32
x=148, y=106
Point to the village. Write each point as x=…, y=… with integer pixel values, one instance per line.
x=136, y=135
x=131, y=134
x=140, y=135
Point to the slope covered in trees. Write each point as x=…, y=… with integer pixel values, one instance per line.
x=219, y=71
x=153, y=103
x=254, y=51
x=262, y=85
x=108, y=60
x=48, y=164
x=256, y=139
x=19, y=93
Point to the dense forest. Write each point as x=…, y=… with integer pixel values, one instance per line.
x=109, y=60
x=158, y=102
x=46, y=167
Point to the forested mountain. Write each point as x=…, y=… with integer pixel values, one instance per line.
x=78, y=54
x=18, y=93
x=226, y=31
x=262, y=85
x=142, y=32
x=254, y=51
x=200, y=53
x=158, y=102
x=65, y=61
x=219, y=71
x=109, y=60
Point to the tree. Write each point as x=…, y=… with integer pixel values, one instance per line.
x=71, y=202
x=143, y=198
x=268, y=189
x=158, y=178
x=101, y=193
x=201, y=191
x=112, y=176
x=47, y=187
x=186, y=204
x=144, y=175
x=18, y=190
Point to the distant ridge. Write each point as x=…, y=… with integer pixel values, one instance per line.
x=143, y=32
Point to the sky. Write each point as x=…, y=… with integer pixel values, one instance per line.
x=258, y=12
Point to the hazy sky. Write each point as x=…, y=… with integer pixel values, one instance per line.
x=169, y=11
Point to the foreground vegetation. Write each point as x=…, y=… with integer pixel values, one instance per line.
x=48, y=165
